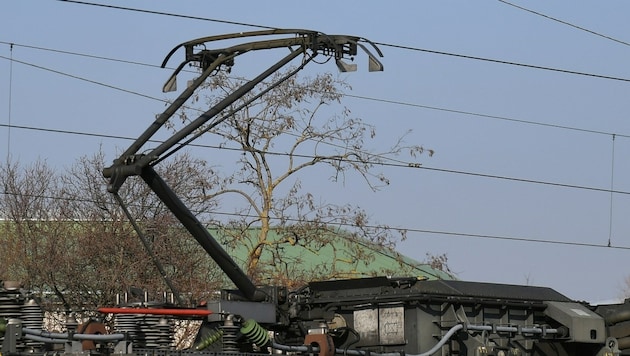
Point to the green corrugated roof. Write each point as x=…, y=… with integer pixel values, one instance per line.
x=337, y=257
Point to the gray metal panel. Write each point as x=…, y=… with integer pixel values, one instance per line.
x=261, y=312
x=584, y=325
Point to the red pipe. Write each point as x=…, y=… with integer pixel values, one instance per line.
x=156, y=311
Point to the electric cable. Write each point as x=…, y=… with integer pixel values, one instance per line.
x=565, y=23
x=400, y=164
x=500, y=61
x=384, y=44
x=355, y=352
x=509, y=179
x=86, y=55
x=189, y=17
x=348, y=95
x=612, y=184
x=10, y=101
x=83, y=79
x=149, y=249
x=158, y=99
x=488, y=116
x=360, y=97
x=399, y=229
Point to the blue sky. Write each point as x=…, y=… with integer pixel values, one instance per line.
x=521, y=153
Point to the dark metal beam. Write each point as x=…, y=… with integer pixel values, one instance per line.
x=201, y=234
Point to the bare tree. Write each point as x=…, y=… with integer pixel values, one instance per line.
x=297, y=127
x=29, y=238
x=69, y=239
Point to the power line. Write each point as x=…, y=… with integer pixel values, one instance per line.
x=519, y=239
x=612, y=185
x=398, y=164
x=508, y=238
x=399, y=229
x=396, y=102
x=189, y=17
x=361, y=97
x=82, y=78
x=139, y=94
x=384, y=164
x=47, y=49
x=384, y=44
x=134, y=93
x=565, y=23
x=469, y=235
x=10, y=101
x=488, y=116
x=498, y=61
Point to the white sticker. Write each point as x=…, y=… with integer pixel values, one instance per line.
x=580, y=312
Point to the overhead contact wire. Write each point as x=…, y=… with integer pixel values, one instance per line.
x=189, y=17
x=373, y=42
x=566, y=23
x=10, y=100
x=612, y=183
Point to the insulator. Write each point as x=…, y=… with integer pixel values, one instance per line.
x=128, y=323
x=230, y=336
x=32, y=315
x=146, y=328
x=214, y=336
x=71, y=324
x=165, y=329
x=157, y=331
x=255, y=333
x=33, y=318
x=11, y=301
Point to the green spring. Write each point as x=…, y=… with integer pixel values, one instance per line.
x=255, y=333
x=214, y=336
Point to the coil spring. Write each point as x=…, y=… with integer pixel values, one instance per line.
x=214, y=336
x=255, y=333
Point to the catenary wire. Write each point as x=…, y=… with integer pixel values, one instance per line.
x=398, y=164
x=361, y=97
x=481, y=236
x=401, y=164
x=417, y=230
x=189, y=17
x=399, y=229
x=565, y=23
x=86, y=55
x=130, y=92
x=159, y=99
x=499, y=61
x=488, y=116
x=82, y=79
x=612, y=185
x=136, y=93
x=10, y=101
x=516, y=120
x=384, y=44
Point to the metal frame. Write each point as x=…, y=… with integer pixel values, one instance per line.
x=301, y=43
